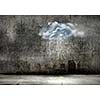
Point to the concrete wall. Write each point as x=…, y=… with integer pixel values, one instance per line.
x=23, y=50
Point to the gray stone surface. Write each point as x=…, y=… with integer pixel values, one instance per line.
x=23, y=50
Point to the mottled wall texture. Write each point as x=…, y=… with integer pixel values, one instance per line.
x=24, y=51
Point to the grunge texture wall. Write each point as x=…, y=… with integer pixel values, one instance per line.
x=23, y=50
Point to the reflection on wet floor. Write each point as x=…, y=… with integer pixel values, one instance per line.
x=45, y=79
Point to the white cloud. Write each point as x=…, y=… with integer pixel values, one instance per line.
x=55, y=30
